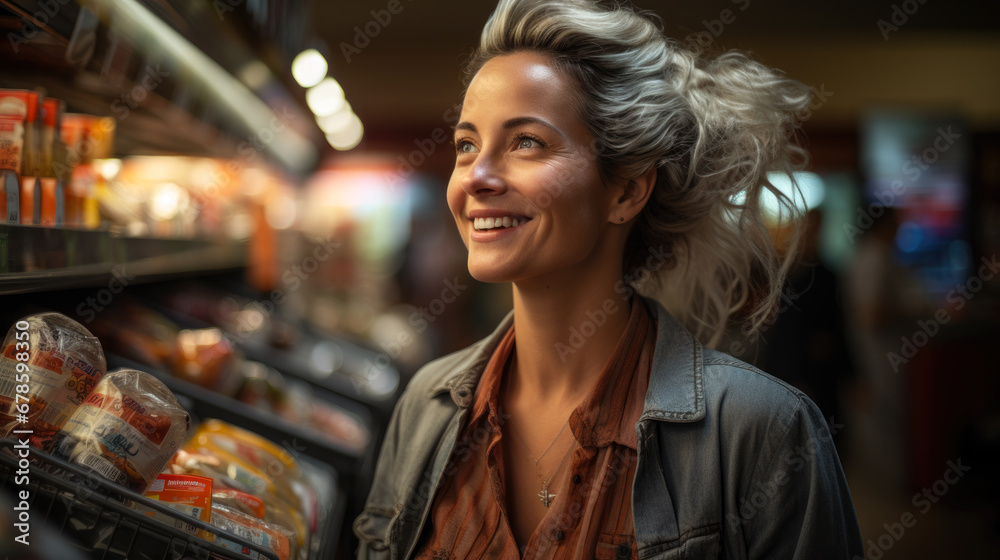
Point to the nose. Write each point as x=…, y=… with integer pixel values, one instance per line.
x=484, y=178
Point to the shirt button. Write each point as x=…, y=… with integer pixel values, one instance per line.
x=624, y=551
x=560, y=535
x=577, y=478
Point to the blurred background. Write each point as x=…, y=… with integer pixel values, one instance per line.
x=276, y=170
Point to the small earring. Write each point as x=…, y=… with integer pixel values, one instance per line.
x=621, y=219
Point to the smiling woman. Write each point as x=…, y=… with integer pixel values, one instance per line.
x=588, y=142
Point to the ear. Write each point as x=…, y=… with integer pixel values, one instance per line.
x=632, y=197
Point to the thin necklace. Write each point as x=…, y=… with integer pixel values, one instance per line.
x=539, y=460
x=544, y=494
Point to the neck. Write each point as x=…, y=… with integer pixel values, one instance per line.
x=566, y=330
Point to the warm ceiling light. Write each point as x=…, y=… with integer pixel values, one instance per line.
x=332, y=124
x=309, y=68
x=325, y=98
x=349, y=136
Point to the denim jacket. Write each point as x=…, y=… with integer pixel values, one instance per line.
x=732, y=463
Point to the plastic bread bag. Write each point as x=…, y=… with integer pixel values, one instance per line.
x=48, y=367
x=278, y=539
x=126, y=430
x=239, y=501
x=279, y=513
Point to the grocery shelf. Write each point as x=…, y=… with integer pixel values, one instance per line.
x=91, y=512
x=35, y=259
x=205, y=403
x=177, y=77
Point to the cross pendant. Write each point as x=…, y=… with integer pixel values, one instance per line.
x=545, y=496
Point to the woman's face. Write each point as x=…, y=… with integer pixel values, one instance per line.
x=525, y=192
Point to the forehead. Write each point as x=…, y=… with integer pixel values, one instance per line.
x=521, y=84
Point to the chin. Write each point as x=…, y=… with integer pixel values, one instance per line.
x=490, y=272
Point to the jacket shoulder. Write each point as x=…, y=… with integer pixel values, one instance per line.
x=756, y=412
x=441, y=371
x=733, y=379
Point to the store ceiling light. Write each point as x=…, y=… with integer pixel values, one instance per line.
x=325, y=98
x=238, y=106
x=349, y=137
x=335, y=123
x=309, y=68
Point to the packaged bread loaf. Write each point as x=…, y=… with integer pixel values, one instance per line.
x=290, y=482
x=126, y=430
x=278, y=539
x=228, y=470
x=48, y=367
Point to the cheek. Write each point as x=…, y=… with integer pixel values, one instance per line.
x=456, y=198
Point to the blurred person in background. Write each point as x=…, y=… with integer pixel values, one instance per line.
x=882, y=308
x=807, y=344
x=592, y=154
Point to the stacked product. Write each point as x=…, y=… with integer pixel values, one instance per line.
x=129, y=428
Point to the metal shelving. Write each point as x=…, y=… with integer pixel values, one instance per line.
x=34, y=259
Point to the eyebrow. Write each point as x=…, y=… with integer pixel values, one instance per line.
x=511, y=123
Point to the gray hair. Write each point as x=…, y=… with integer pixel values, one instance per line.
x=712, y=127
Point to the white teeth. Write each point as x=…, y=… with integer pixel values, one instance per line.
x=493, y=223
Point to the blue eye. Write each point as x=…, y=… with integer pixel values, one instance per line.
x=464, y=147
x=525, y=143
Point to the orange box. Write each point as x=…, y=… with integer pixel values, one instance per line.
x=190, y=495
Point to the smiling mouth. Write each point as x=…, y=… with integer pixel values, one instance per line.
x=486, y=224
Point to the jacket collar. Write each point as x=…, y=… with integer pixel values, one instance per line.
x=675, y=392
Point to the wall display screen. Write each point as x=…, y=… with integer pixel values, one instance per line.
x=919, y=164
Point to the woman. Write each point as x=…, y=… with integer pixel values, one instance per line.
x=593, y=153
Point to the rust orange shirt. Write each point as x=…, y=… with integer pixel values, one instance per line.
x=591, y=517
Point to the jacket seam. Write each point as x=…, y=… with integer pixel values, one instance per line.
x=750, y=369
x=698, y=375
x=774, y=456
x=704, y=530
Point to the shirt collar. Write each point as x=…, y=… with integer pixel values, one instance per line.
x=675, y=392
